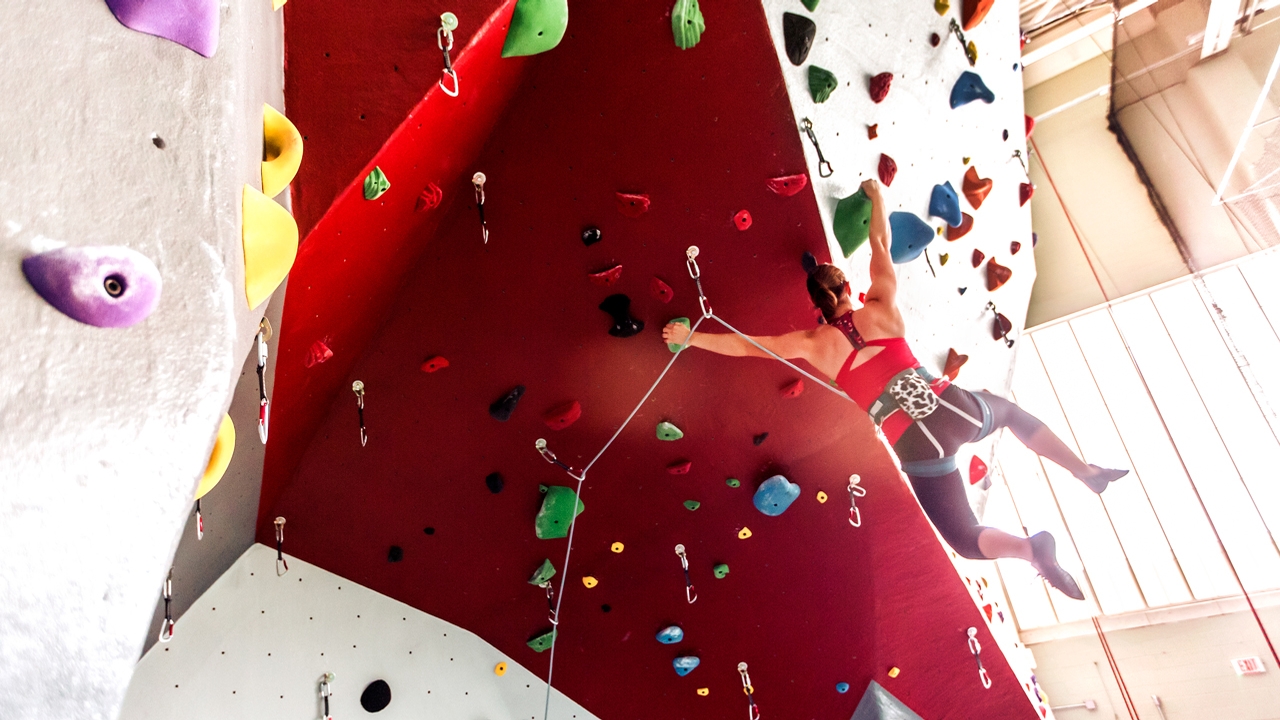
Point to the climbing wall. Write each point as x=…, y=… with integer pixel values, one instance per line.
x=256, y=645
x=809, y=601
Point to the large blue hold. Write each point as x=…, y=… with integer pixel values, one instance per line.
x=685, y=665
x=946, y=204
x=911, y=236
x=969, y=88
x=670, y=635
x=775, y=495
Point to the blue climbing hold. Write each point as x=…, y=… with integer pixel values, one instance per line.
x=670, y=636
x=685, y=665
x=911, y=236
x=842, y=687
x=969, y=88
x=775, y=495
x=946, y=204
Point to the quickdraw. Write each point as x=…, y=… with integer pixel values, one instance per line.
x=976, y=649
x=264, y=405
x=753, y=710
x=166, y=625
x=689, y=593
x=855, y=491
x=357, y=387
x=478, y=181
x=282, y=566
x=444, y=40
x=326, y=692
x=807, y=125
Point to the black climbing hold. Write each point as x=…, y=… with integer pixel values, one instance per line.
x=619, y=307
x=591, y=236
x=429, y=531
x=494, y=482
x=798, y=32
x=502, y=408
x=808, y=262
x=376, y=697
x=1005, y=135
x=758, y=439
x=605, y=608
x=395, y=554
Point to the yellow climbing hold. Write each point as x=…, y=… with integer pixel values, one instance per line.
x=822, y=497
x=281, y=151
x=704, y=691
x=616, y=547
x=744, y=533
x=220, y=458
x=277, y=4
x=590, y=582
x=942, y=6
x=894, y=672
x=270, y=239
x=500, y=669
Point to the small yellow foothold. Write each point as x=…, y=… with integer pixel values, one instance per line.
x=966, y=160
x=822, y=497
x=894, y=672
x=942, y=6
x=590, y=582
x=744, y=533
x=500, y=669
x=704, y=691
x=616, y=547
x=940, y=232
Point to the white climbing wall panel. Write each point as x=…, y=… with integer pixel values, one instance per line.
x=255, y=646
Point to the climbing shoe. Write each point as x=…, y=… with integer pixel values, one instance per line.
x=1044, y=554
x=1103, y=478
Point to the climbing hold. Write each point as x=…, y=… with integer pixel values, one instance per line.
x=395, y=554
x=793, y=389
x=544, y=573
x=536, y=27
x=822, y=497
x=969, y=88
x=502, y=408
x=997, y=275
x=808, y=262
x=673, y=347
x=500, y=669
x=842, y=687
x=667, y=431
x=376, y=697
x=879, y=87
x=733, y=482
x=591, y=236
x=978, y=257
x=935, y=39
x=744, y=533
x=619, y=307
x=375, y=183
x=975, y=188
x=563, y=415
x=945, y=204
x=193, y=24
x=721, y=571
x=758, y=440
x=692, y=505
x=943, y=258
x=988, y=609
x=822, y=83
x=1014, y=247
x=955, y=361
x=589, y=581
x=104, y=286
x=660, y=290
x=852, y=221
x=894, y=672
x=670, y=635
x=941, y=6
x=887, y=170
x=281, y=151
x=317, y=354
x=788, y=185
x=605, y=278
x=704, y=691
x=556, y=513
x=1025, y=191
x=1035, y=239
x=977, y=470
x=434, y=364
x=429, y=199
x=1029, y=123
x=494, y=482
x=910, y=236
x=223, y=447
x=974, y=11
x=873, y=131
x=632, y=206
x=617, y=547
x=810, y=5
x=269, y=237
x=1004, y=134
x=798, y=32
x=680, y=467
x=961, y=290
x=1000, y=328
x=971, y=51
x=687, y=23
x=775, y=495
x=742, y=219
x=542, y=642
x=959, y=231
x=685, y=664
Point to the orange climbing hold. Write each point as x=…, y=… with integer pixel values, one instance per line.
x=680, y=468
x=974, y=11
x=975, y=188
x=977, y=470
x=660, y=290
x=434, y=364
x=873, y=132
x=632, y=206
x=888, y=169
x=955, y=361
x=742, y=220
x=318, y=353
x=997, y=275
x=978, y=257
x=959, y=231
x=605, y=278
x=562, y=416
x=788, y=185
x=793, y=389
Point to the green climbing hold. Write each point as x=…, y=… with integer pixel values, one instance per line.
x=821, y=83
x=543, y=574
x=376, y=184
x=536, y=27
x=687, y=23
x=556, y=513
x=810, y=5
x=673, y=347
x=733, y=482
x=669, y=432
x=852, y=222
x=721, y=570
x=543, y=642
x=692, y=504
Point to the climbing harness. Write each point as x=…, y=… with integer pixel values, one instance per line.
x=807, y=125
x=1002, y=326
x=970, y=48
x=855, y=491
x=357, y=387
x=976, y=649
x=282, y=567
x=264, y=405
x=753, y=710
x=199, y=522
x=444, y=40
x=689, y=593
x=166, y=625
x=326, y=692
x=477, y=180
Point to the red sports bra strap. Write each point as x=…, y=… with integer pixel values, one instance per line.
x=885, y=342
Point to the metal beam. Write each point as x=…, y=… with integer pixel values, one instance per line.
x=1223, y=15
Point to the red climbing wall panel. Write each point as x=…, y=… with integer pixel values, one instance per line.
x=809, y=601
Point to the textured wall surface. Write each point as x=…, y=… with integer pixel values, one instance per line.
x=106, y=432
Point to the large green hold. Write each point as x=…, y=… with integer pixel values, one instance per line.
x=543, y=574
x=375, y=184
x=852, y=223
x=673, y=347
x=556, y=513
x=687, y=23
x=543, y=642
x=536, y=27
x=821, y=83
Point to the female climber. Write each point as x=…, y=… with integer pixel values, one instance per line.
x=926, y=420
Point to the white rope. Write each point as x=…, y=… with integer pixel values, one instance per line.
x=783, y=360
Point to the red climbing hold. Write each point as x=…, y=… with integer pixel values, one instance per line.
x=977, y=470
x=632, y=205
x=987, y=609
x=1014, y=247
x=318, y=353
x=680, y=468
x=880, y=86
x=742, y=219
x=935, y=39
x=974, y=11
x=955, y=361
x=793, y=389
x=434, y=364
x=959, y=231
x=605, y=278
x=1025, y=191
x=1030, y=123
x=873, y=132
x=978, y=257
x=862, y=298
x=975, y=188
x=788, y=185
x=562, y=416
x=997, y=275
x=429, y=199
x=888, y=169
x=660, y=290
x=1000, y=327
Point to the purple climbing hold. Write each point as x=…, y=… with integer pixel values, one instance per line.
x=108, y=286
x=969, y=88
x=190, y=23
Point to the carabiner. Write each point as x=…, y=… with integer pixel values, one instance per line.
x=357, y=387
x=326, y=692
x=689, y=593
x=166, y=625
x=477, y=181
x=541, y=445
x=807, y=125
x=691, y=262
x=855, y=491
x=444, y=40
x=282, y=566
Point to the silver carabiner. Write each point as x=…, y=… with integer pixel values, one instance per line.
x=689, y=593
x=691, y=261
x=855, y=491
x=282, y=566
x=444, y=40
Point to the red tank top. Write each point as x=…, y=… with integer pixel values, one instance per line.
x=865, y=383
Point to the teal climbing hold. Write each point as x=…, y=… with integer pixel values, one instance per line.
x=692, y=504
x=683, y=321
x=670, y=635
x=810, y=5
x=969, y=88
x=911, y=236
x=543, y=642
x=821, y=83
x=775, y=495
x=878, y=704
x=721, y=571
x=544, y=573
x=687, y=23
x=852, y=222
x=945, y=204
x=733, y=482
x=536, y=27
x=375, y=184
x=556, y=513
x=669, y=432
x=685, y=665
